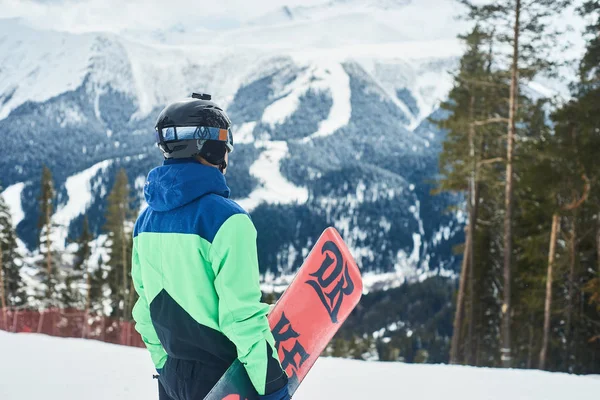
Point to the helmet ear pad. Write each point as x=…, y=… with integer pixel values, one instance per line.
x=214, y=152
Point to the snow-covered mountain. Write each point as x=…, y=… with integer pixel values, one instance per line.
x=330, y=105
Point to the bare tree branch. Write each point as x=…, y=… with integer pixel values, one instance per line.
x=491, y=160
x=490, y=121
x=577, y=202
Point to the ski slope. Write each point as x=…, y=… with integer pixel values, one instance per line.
x=273, y=187
x=12, y=197
x=37, y=367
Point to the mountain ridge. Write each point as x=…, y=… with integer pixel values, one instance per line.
x=329, y=137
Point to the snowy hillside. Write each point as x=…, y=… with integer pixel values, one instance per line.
x=329, y=129
x=39, y=65
x=36, y=367
x=330, y=102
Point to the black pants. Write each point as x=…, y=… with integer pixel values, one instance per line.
x=162, y=393
x=187, y=380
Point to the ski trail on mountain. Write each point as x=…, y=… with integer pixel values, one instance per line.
x=273, y=187
x=336, y=79
x=79, y=192
x=319, y=76
x=12, y=197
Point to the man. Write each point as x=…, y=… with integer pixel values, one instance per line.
x=195, y=263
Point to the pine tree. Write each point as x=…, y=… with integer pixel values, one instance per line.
x=467, y=156
x=97, y=280
x=12, y=292
x=523, y=27
x=340, y=347
x=550, y=187
x=84, y=252
x=48, y=266
x=577, y=140
x=119, y=228
x=77, y=280
x=590, y=65
x=589, y=105
x=558, y=209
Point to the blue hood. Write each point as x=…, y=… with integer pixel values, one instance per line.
x=179, y=182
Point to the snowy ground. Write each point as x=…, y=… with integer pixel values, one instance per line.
x=37, y=367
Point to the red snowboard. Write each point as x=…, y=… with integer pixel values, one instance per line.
x=326, y=289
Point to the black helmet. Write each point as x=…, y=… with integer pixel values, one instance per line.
x=195, y=126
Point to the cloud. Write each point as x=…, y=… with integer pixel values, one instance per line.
x=119, y=15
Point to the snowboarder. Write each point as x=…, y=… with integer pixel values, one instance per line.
x=194, y=263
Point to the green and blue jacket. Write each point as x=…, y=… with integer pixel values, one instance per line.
x=195, y=269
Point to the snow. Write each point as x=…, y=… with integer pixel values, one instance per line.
x=70, y=117
x=243, y=134
x=44, y=57
x=42, y=367
x=385, y=225
x=12, y=197
x=421, y=71
x=278, y=111
x=407, y=268
x=350, y=379
x=338, y=82
x=138, y=185
x=403, y=45
x=443, y=233
x=415, y=255
x=273, y=187
x=271, y=283
x=39, y=66
x=354, y=22
x=320, y=76
x=79, y=194
x=373, y=281
x=72, y=369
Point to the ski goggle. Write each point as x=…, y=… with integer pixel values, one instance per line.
x=177, y=133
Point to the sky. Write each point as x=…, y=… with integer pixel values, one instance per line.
x=120, y=15
x=432, y=18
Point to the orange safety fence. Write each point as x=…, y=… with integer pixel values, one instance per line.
x=70, y=323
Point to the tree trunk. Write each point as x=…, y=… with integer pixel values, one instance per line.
x=571, y=289
x=124, y=289
x=124, y=260
x=88, y=297
x=131, y=297
x=506, y=355
x=530, y=344
x=41, y=321
x=548, y=302
x=471, y=251
x=2, y=293
x=460, y=300
x=598, y=246
x=50, y=288
x=470, y=348
x=479, y=338
x=473, y=202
